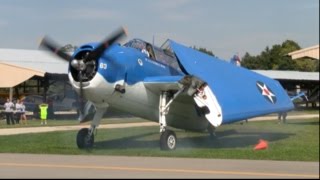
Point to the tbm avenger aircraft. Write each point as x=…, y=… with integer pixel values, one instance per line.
x=174, y=85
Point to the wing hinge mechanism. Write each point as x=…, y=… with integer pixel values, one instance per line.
x=205, y=99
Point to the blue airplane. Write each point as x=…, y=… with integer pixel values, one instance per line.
x=174, y=85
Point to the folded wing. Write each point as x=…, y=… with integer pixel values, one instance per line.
x=240, y=93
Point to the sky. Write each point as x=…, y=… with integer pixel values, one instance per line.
x=225, y=27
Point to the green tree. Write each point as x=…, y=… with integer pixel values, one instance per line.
x=277, y=58
x=307, y=64
x=249, y=61
x=289, y=46
x=286, y=63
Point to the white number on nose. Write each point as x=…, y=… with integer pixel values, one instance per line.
x=103, y=66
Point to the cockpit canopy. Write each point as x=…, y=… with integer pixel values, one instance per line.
x=162, y=55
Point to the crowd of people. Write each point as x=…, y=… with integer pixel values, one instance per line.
x=15, y=112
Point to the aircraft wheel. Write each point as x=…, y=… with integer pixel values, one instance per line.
x=168, y=140
x=84, y=140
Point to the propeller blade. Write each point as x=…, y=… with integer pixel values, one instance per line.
x=54, y=48
x=97, y=53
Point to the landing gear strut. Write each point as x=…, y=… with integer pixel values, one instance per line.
x=85, y=137
x=168, y=139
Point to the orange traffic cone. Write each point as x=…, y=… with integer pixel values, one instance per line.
x=261, y=145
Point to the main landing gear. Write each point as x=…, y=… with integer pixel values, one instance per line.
x=168, y=139
x=85, y=137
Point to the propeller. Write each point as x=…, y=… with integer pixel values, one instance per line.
x=80, y=64
x=52, y=46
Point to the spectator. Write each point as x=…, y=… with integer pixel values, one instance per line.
x=283, y=116
x=23, y=116
x=9, y=111
x=236, y=60
x=18, y=111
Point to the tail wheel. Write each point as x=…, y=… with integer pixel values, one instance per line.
x=168, y=140
x=84, y=140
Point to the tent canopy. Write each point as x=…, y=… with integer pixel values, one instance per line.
x=11, y=75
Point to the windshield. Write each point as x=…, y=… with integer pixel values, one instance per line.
x=163, y=55
x=136, y=43
x=166, y=58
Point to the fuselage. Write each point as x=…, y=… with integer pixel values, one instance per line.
x=128, y=67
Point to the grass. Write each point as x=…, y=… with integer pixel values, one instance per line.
x=298, y=140
x=68, y=122
x=63, y=120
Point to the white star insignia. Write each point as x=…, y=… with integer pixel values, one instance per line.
x=266, y=92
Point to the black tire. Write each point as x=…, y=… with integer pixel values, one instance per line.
x=84, y=140
x=168, y=140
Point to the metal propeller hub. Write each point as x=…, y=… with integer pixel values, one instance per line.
x=78, y=64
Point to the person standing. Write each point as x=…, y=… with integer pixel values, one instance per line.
x=23, y=116
x=43, y=113
x=17, y=114
x=8, y=106
x=283, y=116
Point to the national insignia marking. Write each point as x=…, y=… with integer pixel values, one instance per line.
x=266, y=92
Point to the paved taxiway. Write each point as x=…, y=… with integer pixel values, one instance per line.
x=80, y=166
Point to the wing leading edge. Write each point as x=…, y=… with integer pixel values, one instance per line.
x=241, y=93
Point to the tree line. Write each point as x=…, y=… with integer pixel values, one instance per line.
x=276, y=58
